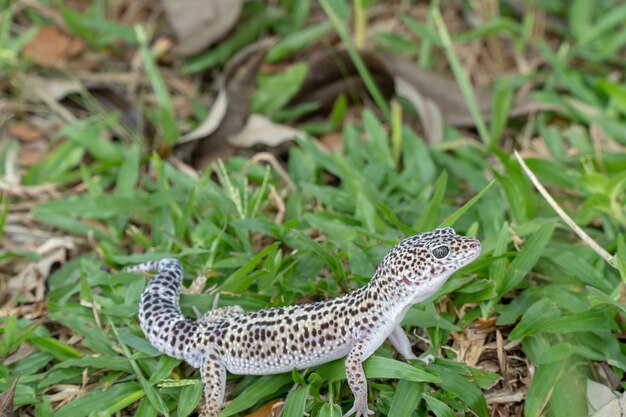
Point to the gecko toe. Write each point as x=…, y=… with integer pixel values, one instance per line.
x=426, y=358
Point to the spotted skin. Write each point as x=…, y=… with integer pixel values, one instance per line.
x=276, y=340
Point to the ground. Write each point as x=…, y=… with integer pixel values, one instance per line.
x=278, y=154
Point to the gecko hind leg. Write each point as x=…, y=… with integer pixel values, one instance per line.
x=221, y=313
x=216, y=313
x=214, y=380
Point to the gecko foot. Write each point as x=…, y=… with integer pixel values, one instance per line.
x=359, y=409
x=427, y=358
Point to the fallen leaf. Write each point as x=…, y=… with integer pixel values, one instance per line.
x=607, y=375
x=602, y=402
x=446, y=93
x=51, y=47
x=111, y=96
x=32, y=277
x=599, y=397
x=55, y=88
x=442, y=90
x=200, y=23
x=24, y=132
x=230, y=111
x=23, y=351
x=29, y=157
x=271, y=409
x=430, y=113
x=261, y=130
x=436, y=98
x=114, y=99
x=6, y=401
x=332, y=73
x=333, y=141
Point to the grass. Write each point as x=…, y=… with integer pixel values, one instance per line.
x=544, y=308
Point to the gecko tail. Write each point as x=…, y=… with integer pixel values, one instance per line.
x=160, y=317
x=151, y=266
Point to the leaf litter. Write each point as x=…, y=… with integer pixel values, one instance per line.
x=200, y=23
x=482, y=344
x=229, y=112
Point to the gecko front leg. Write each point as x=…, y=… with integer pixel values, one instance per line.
x=401, y=343
x=214, y=380
x=356, y=378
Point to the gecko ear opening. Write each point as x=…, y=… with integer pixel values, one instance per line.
x=412, y=279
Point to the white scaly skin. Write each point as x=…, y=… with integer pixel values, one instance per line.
x=276, y=340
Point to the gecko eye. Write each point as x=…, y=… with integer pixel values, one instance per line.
x=440, y=252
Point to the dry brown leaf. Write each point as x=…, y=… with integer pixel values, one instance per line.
x=261, y=130
x=23, y=351
x=6, y=401
x=51, y=47
x=333, y=141
x=271, y=409
x=429, y=111
x=332, y=73
x=607, y=375
x=230, y=111
x=24, y=132
x=55, y=88
x=506, y=396
x=436, y=98
x=55, y=251
x=200, y=23
x=469, y=344
x=442, y=90
x=111, y=96
x=29, y=157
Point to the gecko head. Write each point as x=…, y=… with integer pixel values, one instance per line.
x=425, y=261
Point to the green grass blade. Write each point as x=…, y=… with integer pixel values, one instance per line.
x=534, y=319
x=260, y=388
x=240, y=280
x=296, y=401
x=461, y=77
x=438, y=407
x=56, y=348
x=611, y=18
x=361, y=68
x=99, y=400
x=406, y=399
x=4, y=211
x=467, y=392
x=530, y=254
x=541, y=388
x=451, y=219
x=428, y=218
x=166, y=110
x=502, y=99
x=190, y=397
x=585, y=321
x=380, y=367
